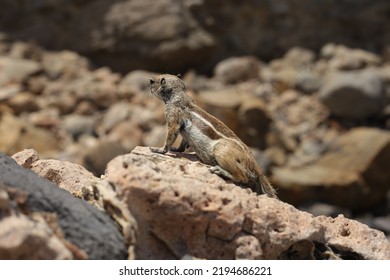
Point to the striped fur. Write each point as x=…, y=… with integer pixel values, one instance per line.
x=211, y=139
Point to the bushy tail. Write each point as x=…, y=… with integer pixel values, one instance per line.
x=266, y=187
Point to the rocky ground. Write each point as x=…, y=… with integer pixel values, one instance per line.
x=318, y=124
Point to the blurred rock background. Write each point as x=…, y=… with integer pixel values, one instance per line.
x=306, y=84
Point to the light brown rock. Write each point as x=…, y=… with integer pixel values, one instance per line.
x=18, y=135
x=223, y=104
x=182, y=209
x=353, y=172
x=15, y=70
x=26, y=157
x=237, y=69
x=344, y=58
x=254, y=122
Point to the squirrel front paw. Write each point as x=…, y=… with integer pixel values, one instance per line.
x=162, y=150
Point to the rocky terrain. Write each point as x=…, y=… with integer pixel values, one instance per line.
x=77, y=180
x=169, y=35
x=318, y=126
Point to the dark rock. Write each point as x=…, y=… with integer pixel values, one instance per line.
x=176, y=35
x=83, y=225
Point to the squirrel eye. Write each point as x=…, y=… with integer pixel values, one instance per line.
x=162, y=81
x=179, y=76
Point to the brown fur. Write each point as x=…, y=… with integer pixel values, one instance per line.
x=211, y=139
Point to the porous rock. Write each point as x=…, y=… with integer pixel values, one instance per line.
x=182, y=209
x=26, y=157
x=85, y=227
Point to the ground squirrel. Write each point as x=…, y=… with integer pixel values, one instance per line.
x=213, y=142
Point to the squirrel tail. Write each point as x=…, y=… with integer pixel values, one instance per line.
x=266, y=186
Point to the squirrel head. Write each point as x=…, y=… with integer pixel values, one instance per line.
x=167, y=87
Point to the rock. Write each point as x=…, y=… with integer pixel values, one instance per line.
x=23, y=102
x=45, y=118
x=295, y=114
x=127, y=133
x=9, y=91
x=351, y=174
x=84, y=185
x=14, y=71
x=17, y=135
x=84, y=227
x=76, y=125
x=167, y=35
x=344, y=58
x=64, y=64
x=237, y=69
x=223, y=104
x=26, y=157
x=182, y=209
x=24, y=238
x=364, y=89
x=295, y=58
x=97, y=156
x=156, y=137
x=254, y=122
x=117, y=113
x=323, y=209
x=135, y=82
x=25, y=50
x=294, y=70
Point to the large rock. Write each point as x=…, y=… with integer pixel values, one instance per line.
x=353, y=172
x=176, y=35
x=84, y=227
x=183, y=209
x=354, y=95
x=84, y=185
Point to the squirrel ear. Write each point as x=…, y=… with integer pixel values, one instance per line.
x=162, y=81
x=179, y=76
